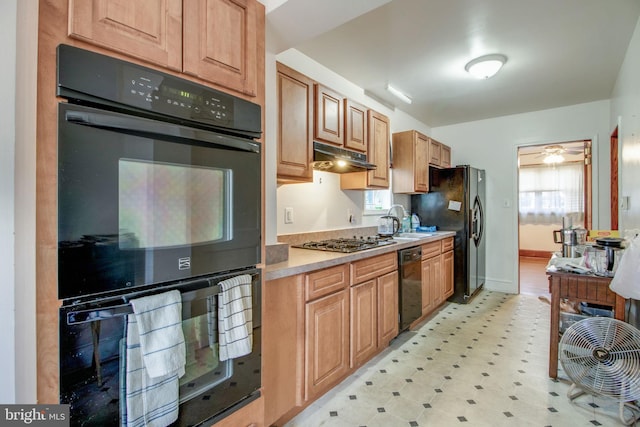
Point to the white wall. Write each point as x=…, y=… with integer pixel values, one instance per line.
x=320, y=205
x=539, y=237
x=7, y=196
x=18, y=30
x=625, y=112
x=492, y=145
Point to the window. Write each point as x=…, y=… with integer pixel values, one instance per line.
x=376, y=201
x=548, y=193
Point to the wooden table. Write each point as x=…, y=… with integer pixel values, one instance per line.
x=577, y=287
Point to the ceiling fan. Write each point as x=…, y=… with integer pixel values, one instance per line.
x=553, y=153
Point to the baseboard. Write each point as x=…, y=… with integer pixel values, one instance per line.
x=535, y=254
x=504, y=286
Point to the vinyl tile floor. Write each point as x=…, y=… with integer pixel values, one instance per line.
x=480, y=364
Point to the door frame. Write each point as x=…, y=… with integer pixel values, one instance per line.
x=588, y=189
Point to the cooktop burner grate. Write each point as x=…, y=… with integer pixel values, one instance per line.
x=346, y=245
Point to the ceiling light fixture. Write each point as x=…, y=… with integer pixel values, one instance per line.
x=485, y=66
x=553, y=158
x=399, y=94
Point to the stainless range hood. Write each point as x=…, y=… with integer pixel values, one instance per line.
x=328, y=158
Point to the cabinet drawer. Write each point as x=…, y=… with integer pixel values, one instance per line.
x=429, y=250
x=324, y=282
x=370, y=268
x=447, y=244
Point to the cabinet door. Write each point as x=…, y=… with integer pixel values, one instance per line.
x=364, y=337
x=282, y=346
x=295, y=125
x=329, y=115
x=431, y=284
x=445, y=156
x=388, y=322
x=150, y=30
x=221, y=42
x=447, y=274
x=355, y=126
x=421, y=167
x=434, y=152
x=378, y=151
x=326, y=342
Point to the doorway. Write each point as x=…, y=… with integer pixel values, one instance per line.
x=554, y=182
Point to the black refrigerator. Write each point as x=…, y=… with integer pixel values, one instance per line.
x=455, y=202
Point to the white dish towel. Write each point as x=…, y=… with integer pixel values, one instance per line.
x=235, y=317
x=155, y=360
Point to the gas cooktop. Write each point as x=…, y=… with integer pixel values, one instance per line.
x=347, y=245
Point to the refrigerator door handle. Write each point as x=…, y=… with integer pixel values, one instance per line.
x=477, y=221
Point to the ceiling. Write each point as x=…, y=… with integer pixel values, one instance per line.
x=560, y=52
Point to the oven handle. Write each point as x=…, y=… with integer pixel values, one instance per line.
x=102, y=313
x=139, y=125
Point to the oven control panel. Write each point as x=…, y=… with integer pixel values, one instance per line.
x=90, y=77
x=160, y=93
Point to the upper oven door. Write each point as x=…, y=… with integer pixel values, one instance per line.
x=143, y=202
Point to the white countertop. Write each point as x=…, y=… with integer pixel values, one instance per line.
x=305, y=260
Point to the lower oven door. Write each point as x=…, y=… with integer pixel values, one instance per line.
x=93, y=357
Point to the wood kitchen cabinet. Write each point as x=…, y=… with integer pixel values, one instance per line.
x=447, y=267
x=326, y=329
x=439, y=154
x=364, y=322
x=295, y=126
x=283, y=373
x=374, y=313
x=410, y=162
x=435, y=152
x=219, y=41
x=445, y=156
x=355, y=121
x=378, y=132
x=437, y=274
x=329, y=115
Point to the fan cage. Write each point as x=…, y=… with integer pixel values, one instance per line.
x=602, y=355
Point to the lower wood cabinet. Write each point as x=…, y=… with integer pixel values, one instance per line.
x=326, y=342
x=431, y=281
x=364, y=322
x=318, y=327
x=388, y=321
x=447, y=273
x=437, y=274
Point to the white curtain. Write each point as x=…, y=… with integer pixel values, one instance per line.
x=550, y=192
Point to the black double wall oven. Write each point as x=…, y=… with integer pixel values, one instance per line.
x=159, y=188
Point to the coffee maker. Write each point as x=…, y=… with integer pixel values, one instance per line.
x=572, y=239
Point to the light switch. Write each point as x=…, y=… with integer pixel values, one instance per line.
x=288, y=215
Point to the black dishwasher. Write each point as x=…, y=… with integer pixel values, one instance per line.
x=410, y=292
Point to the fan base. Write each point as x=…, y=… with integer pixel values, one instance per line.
x=632, y=409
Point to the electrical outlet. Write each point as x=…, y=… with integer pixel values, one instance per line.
x=288, y=215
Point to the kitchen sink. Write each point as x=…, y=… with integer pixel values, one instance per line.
x=401, y=237
x=414, y=236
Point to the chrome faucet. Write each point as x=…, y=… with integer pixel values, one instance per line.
x=405, y=222
x=404, y=212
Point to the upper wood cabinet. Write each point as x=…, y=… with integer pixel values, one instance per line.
x=439, y=154
x=378, y=134
x=219, y=41
x=410, y=162
x=329, y=116
x=355, y=120
x=295, y=125
x=150, y=30
x=445, y=156
x=434, y=152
